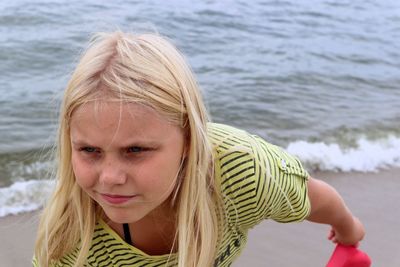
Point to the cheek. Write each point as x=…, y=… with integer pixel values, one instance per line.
x=152, y=179
x=161, y=178
x=84, y=173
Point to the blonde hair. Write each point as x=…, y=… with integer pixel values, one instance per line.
x=144, y=69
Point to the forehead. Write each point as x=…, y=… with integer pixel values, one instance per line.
x=97, y=110
x=102, y=117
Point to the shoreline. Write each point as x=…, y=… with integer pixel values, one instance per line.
x=373, y=197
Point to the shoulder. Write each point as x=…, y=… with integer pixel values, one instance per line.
x=255, y=177
x=228, y=140
x=235, y=170
x=224, y=137
x=234, y=159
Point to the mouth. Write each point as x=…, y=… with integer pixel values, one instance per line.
x=117, y=199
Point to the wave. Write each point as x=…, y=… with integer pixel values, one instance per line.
x=24, y=196
x=366, y=156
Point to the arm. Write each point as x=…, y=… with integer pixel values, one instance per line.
x=328, y=207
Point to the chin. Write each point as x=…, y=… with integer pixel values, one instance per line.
x=122, y=216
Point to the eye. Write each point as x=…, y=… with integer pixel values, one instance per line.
x=136, y=149
x=88, y=149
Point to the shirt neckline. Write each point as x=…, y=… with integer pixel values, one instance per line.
x=111, y=232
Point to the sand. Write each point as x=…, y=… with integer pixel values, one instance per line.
x=17, y=235
x=373, y=197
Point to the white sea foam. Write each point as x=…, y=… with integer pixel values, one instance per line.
x=367, y=156
x=24, y=196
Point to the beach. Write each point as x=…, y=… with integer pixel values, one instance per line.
x=373, y=197
x=317, y=78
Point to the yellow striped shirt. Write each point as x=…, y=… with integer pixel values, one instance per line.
x=257, y=180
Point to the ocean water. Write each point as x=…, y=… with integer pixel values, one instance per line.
x=320, y=78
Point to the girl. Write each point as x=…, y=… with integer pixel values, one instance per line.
x=144, y=179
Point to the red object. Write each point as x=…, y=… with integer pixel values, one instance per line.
x=348, y=256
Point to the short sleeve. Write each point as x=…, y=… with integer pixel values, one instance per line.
x=258, y=180
x=284, y=182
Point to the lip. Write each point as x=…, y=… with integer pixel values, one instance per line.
x=116, y=199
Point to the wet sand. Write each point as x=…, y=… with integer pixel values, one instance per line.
x=373, y=197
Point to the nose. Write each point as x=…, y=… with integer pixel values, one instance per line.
x=112, y=172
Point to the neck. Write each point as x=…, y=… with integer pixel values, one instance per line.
x=153, y=234
x=154, y=237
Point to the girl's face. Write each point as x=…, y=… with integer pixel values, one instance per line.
x=126, y=157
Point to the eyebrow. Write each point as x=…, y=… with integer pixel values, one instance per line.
x=131, y=144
